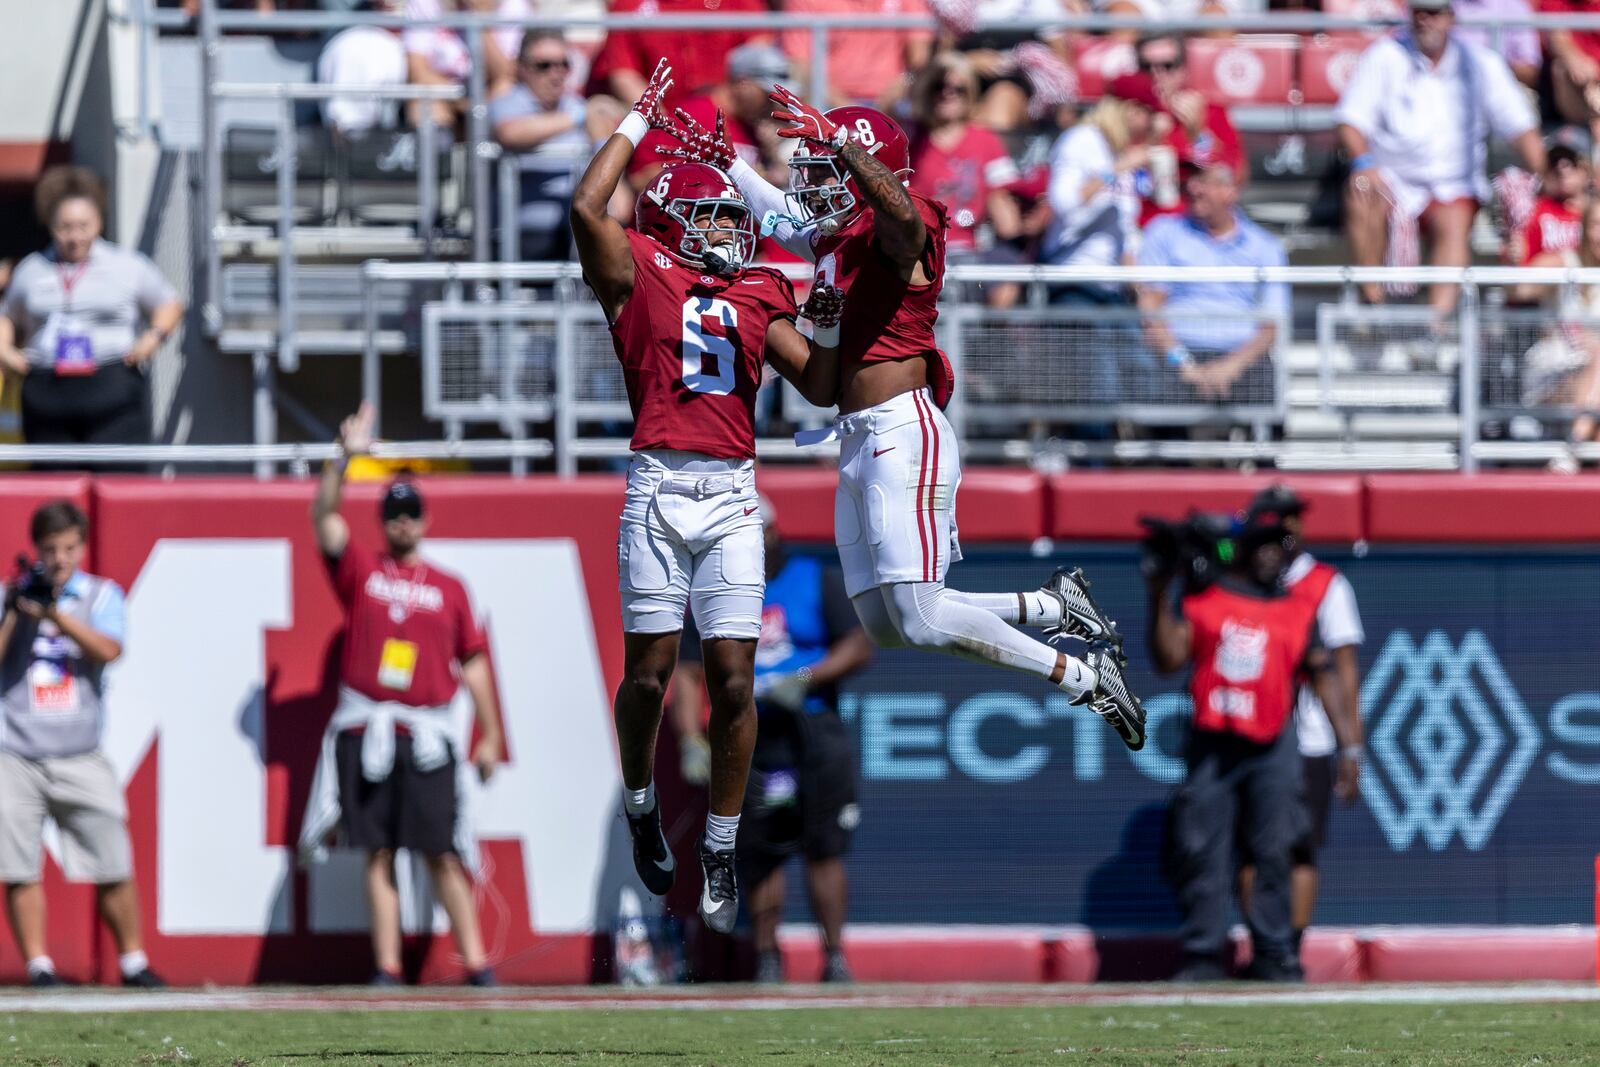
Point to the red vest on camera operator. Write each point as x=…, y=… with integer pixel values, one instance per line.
x=1248, y=651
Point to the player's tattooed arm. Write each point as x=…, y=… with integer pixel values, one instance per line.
x=602, y=243
x=900, y=229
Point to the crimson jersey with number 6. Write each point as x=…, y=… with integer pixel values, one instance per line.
x=691, y=346
x=886, y=318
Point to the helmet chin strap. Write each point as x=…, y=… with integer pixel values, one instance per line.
x=721, y=260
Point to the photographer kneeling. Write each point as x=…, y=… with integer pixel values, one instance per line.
x=1251, y=645
x=61, y=628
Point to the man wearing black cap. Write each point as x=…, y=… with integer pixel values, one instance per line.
x=1339, y=625
x=409, y=634
x=1248, y=642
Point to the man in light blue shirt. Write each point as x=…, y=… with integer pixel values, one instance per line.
x=1214, y=338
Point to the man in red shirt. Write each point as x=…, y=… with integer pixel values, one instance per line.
x=697, y=57
x=409, y=640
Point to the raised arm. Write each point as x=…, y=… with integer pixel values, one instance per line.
x=700, y=145
x=602, y=242
x=899, y=226
x=812, y=366
x=355, y=439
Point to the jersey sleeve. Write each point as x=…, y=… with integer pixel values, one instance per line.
x=938, y=225
x=782, y=297
x=347, y=570
x=1337, y=616
x=470, y=638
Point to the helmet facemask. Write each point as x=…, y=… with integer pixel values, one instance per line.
x=820, y=193
x=719, y=233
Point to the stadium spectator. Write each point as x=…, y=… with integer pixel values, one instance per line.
x=1414, y=121
x=363, y=55
x=960, y=164
x=1517, y=45
x=552, y=131
x=1159, y=11
x=1562, y=369
x=1094, y=168
x=699, y=58
x=80, y=321
x=1574, y=65
x=1007, y=79
x=387, y=777
x=1201, y=128
x=870, y=67
x=62, y=627
x=1212, y=340
x=753, y=69
x=1339, y=624
x=1555, y=224
x=1249, y=643
x=439, y=55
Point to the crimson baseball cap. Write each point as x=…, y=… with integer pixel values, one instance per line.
x=1139, y=88
x=402, y=500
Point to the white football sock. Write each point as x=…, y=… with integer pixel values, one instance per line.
x=132, y=963
x=41, y=965
x=721, y=830
x=639, y=801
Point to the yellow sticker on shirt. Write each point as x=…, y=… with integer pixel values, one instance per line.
x=397, y=665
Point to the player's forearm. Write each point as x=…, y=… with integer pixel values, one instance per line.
x=330, y=489
x=1349, y=673
x=819, y=381
x=599, y=181
x=766, y=199
x=899, y=226
x=96, y=646
x=846, y=656
x=480, y=687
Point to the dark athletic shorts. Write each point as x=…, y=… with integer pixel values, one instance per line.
x=801, y=796
x=410, y=809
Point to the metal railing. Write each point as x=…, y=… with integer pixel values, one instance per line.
x=540, y=362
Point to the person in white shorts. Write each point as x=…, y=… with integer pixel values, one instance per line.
x=62, y=628
x=692, y=324
x=850, y=212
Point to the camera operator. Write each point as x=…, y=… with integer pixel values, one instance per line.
x=1249, y=644
x=62, y=628
x=1339, y=622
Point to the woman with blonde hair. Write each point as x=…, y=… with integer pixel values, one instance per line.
x=1094, y=170
x=80, y=321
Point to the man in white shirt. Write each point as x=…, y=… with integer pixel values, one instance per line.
x=1339, y=625
x=1414, y=122
x=362, y=55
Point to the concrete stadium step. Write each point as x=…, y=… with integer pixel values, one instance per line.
x=1317, y=425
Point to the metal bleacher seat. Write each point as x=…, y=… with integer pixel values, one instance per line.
x=250, y=175
x=378, y=179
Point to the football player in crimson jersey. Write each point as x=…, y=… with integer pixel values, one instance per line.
x=692, y=323
x=849, y=211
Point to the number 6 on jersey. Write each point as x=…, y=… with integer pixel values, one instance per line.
x=710, y=361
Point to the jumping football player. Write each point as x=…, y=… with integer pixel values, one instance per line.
x=691, y=322
x=849, y=211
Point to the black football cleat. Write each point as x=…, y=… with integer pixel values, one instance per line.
x=652, y=858
x=1081, y=617
x=145, y=979
x=719, y=897
x=1111, y=699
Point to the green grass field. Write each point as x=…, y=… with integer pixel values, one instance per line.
x=1270, y=1035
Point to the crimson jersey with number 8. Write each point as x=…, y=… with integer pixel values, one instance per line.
x=691, y=346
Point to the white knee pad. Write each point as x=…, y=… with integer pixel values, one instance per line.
x=921, y=612
x=876, y=620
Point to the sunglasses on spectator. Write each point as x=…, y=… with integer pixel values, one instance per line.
x=543, y=65
x=1166, y=66
x=956, y=87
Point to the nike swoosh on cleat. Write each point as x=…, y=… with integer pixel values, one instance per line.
x=707, y=905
